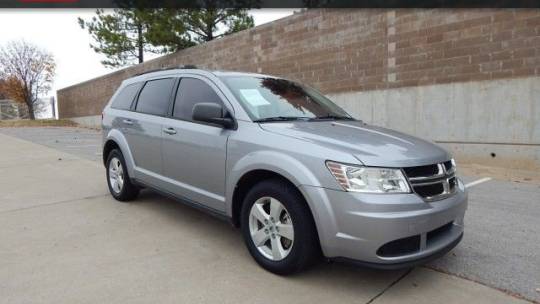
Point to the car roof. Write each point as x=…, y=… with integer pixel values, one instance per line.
x=236, y=73
x=177, y=70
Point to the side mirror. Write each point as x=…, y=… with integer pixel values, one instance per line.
x=212, y=113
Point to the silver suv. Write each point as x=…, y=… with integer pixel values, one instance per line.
x=299, y=176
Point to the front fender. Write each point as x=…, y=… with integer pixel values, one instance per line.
x=121, y=141
x=290, y=168
x=280, y=163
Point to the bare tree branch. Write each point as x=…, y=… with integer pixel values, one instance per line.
x=29, y=67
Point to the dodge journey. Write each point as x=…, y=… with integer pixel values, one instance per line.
x=300, y=177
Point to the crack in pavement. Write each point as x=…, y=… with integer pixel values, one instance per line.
x=390, y=285
x=506, y=291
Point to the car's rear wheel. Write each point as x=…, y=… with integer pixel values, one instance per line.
x=118, y=180
x=278, y=228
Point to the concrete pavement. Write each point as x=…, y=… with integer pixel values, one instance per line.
x=501, y=245
x=85, y=143
x=65, y=240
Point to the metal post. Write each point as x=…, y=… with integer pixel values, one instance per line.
x=53, y=106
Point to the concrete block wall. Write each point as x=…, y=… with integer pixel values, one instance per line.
x=495, y=123
x=465, y=77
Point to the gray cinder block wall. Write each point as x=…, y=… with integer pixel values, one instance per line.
x=466, y=78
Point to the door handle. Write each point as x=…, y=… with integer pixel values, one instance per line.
x=170, y=131
x=127, y=121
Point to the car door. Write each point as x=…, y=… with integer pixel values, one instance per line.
x=143, y=131
x=194, y=153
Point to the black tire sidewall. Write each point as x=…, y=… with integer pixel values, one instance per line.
x=128, y=191
x=303, y=251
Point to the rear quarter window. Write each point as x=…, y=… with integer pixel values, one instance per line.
x=125, y=97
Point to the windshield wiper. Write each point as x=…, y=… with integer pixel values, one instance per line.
x=281, y=118
x=332, y=117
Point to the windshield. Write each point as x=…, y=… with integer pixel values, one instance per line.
x=274, y=99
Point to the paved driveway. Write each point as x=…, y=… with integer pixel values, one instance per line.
x=64, y=240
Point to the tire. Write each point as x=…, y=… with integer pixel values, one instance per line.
x=292, y=257
x=127, y=191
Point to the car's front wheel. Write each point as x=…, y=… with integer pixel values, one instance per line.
x=278, y=228
x=118, y=179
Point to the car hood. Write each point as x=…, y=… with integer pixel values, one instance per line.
x=373, y=146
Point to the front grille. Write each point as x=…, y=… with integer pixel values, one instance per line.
x=421, y=171
x=429, y=190
x=433, y=182
x=448, y=165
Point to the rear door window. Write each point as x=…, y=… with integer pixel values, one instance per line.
x=125, y=97
x=155, y=97
x=190, y=92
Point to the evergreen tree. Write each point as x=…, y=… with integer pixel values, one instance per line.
x=124, y=35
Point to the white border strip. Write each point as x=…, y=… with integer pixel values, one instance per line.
x=476, y=182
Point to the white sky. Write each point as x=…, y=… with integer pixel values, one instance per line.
x=59, y=32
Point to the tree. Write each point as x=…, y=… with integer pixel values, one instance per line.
x=126, y=34
x=205, y=24
x=3, y=94
x=166, y=31
x=13, y=89
x=28, y=72
x=120, y=36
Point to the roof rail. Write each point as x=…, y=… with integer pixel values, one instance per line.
x=187, y=66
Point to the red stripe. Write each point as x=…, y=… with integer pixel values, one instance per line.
x=48, y=1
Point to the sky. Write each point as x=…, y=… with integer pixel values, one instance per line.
x=59, y=32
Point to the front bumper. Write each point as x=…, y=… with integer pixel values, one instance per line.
x=385, y=230
x=404, y=264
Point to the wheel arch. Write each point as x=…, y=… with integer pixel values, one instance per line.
x=256, y=167
x=246, y=182
x=107, y=148
x=116, y=140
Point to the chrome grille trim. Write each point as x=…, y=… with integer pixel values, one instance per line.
x=444, y=177
x=440, y=173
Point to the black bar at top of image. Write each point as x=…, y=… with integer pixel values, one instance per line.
x=270, y=3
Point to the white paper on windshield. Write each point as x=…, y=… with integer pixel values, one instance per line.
x=254, y=97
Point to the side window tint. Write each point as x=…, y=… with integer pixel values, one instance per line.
x=154, y=97
x=124, y=99
x=190, y=92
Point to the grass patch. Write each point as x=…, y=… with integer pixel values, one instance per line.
x=37, y=123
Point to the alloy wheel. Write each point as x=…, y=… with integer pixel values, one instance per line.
x=116, y=175
x=271, y=228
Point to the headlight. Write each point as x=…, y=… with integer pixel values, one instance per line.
x=369, y=179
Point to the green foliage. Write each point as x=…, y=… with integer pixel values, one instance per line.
x=167, y=31
x=205, y=24
x=124, y=35
x=120, y=36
